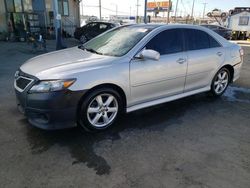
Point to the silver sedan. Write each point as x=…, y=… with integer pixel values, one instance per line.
x=125, y=69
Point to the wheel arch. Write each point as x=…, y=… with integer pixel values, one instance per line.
x=105, y=85
x=231, y=71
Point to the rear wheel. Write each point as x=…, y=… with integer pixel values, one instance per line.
x=220, y=82
x=100, y=109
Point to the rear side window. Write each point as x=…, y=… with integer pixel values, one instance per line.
x=167, y=42
x=197, y=40
x=213, y=42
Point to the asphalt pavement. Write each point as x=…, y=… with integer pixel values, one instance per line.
x=195, y=142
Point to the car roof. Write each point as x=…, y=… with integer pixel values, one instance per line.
x=160, y=27
x=165, y=26
x=207, y=25
x=101, y=22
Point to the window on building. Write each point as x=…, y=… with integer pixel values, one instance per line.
x=9, y=5
x=243, y=20
x=27, y=5
x=48, y=5
x=63, y=7
x=18, y=5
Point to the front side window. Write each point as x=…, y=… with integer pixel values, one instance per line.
x=167, y=42
x=117, y=42
x=243, y=20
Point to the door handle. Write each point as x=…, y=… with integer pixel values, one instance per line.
x=219, y=53
x=181, y=60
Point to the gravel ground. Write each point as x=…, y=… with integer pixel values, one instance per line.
x=194, y=142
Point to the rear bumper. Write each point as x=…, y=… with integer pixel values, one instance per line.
x=237, y=69
x=54, y=110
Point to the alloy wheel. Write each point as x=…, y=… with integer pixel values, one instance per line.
x=102, y=110
x=221, y=82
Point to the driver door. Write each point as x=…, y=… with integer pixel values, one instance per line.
x=154, y=79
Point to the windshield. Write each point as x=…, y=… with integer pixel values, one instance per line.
x=117, y=42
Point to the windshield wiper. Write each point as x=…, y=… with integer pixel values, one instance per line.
x=89, y=50
x=93, y=51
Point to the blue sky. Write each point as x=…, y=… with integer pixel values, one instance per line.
x=129, y=6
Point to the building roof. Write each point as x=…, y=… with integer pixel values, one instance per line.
x=238, y=10
x=240, y=13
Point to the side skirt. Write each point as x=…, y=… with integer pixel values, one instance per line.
x=166, y=99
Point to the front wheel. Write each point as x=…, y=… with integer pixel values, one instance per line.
x=100, y=109
x=220, y=82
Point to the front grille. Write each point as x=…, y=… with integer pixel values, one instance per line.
x=22, y=82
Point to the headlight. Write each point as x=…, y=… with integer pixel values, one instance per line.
x=51, y=85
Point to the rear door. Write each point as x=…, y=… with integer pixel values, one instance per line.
x=205, y=55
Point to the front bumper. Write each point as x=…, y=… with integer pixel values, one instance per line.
x=53, y=110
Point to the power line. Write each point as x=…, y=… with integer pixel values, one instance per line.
x=114, y=10
x=105, y=8
x=184, y=6
x=176, y=8
x=204, y=9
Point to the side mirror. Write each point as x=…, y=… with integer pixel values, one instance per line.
x=150, y=54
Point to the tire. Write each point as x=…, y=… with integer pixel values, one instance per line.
x=100, y=109
x=220, y=82
x=83, y=39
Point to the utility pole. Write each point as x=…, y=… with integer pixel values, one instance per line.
x=176, y=8
x=116, y=10
x=204, y=9
x=192, y=13
x=100, y=9
x=145, y=12
x=169, y=6
x=58, y=26
x=137, y=6
x=82, y=7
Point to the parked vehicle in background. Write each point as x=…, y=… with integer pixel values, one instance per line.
x=127, y=68
x=91, y=30
x=223, y=31
x=239, y=22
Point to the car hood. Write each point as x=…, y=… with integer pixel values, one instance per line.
x=64, y=62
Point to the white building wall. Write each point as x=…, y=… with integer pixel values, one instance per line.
x=234, y=22
x=69, y=23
